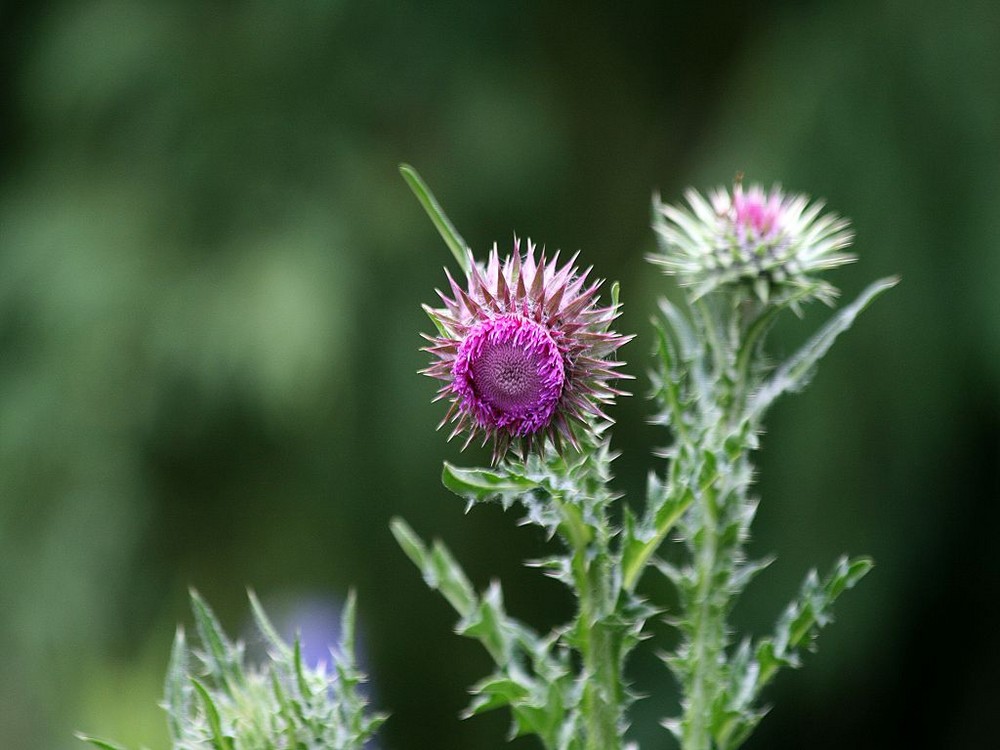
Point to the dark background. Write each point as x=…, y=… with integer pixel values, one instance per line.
x=210, y=279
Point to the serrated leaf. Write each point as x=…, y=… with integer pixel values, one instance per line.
x=771, y=660
x=488, y=624
x=794, y=373
x=847, y=574
x=480, y=485
x=441, y=222
x=809, y=612
x=451, y=580
x=440, y=570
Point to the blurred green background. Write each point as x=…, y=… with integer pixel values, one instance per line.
x=210, y=279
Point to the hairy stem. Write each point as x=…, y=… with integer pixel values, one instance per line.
x=707, y=636
x=602, y=700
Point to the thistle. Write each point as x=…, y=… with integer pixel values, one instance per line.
x=771, y=243
x=215, y=699
x=524, y=351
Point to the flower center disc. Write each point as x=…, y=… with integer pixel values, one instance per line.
x=509, y=374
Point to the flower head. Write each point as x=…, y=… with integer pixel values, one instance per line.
x=524, y=351
x=771, y=242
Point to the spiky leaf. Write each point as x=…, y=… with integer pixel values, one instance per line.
x=794, y=373
x=804, y=617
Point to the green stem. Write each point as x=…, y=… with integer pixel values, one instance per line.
x=707, y=638
x=601, y=693
x=602, y=701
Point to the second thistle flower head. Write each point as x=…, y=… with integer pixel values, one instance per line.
x=769, y=241
x=524, y=351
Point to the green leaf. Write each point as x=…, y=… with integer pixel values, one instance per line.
x=103, y=744
x=410, y=543
x=544, y=714
x=223, y=658
x=280, y=648
x=733, y=714
x=445, y=228
x=176, y=688
x=736, y=731
x=488, y=623
x=347, y=625
x=300, y=670
x=745, y=572
x=451, y=580
x=219, y=740
x=440, y=570
x=803, y=618
x=285, y=709
x=480, y=485
x=847, y=574
x=794, y=373
x=495, y=692
x=637, y=551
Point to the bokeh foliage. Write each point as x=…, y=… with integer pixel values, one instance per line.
x=210, y=278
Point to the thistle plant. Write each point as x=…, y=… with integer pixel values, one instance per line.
x=527, y=357
x=215, y=701
x=527, y=360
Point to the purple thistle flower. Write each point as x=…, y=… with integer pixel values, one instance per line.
x=524, y=352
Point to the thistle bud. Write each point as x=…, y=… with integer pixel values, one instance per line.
x=770, y=243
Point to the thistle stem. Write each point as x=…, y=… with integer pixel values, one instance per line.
x=706, y=644
x=602, y=700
